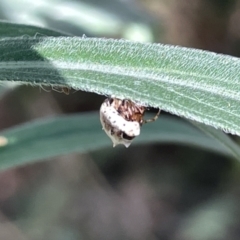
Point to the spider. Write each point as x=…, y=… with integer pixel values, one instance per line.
x=122, y=120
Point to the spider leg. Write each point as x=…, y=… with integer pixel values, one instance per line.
x=154, y=118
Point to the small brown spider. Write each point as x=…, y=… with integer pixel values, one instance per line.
x=122, y=120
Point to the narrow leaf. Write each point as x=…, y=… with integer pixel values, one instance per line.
x=221, y=137
x=198, y=85
x=47, y=138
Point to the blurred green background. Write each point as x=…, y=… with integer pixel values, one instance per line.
x=154, y=192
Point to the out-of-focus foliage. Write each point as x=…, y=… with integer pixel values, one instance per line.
x=54, y=137
x=109, y=18
x=8, y=29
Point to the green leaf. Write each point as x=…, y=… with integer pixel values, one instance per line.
x=42, y=139
x=195, y=84
x=221, y=137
